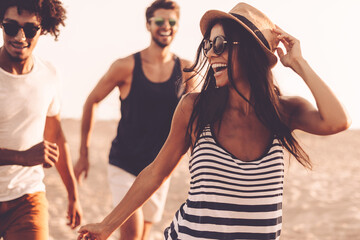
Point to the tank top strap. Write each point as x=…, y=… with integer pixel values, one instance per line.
x=137, y=72
x=177, y=71
x=177, y=78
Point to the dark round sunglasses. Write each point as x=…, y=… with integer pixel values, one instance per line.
x=218, y=45
x=159, y=21
x=12, y=29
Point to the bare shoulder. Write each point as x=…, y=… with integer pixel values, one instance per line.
x=120, y=71
x=187, y=102
x=183, y=112
x=191, y=78
x=124, y=65
x=185, y=107
x=185, y=63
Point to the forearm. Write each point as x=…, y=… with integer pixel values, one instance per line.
x=87, y=124
x=144, y=186
x=65, y=168
x=330, y=109
x=11, y=157
x=45, y=153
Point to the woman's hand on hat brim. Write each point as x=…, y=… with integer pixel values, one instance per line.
x=292, y=46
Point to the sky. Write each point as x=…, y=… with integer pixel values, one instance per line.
x=96, y=34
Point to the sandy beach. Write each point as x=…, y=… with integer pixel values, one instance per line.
x=323, y=204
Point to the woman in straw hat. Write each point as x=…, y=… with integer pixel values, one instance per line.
x=236, y=128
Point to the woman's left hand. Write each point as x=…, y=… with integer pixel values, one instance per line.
x=93, y=232
x=292, y=46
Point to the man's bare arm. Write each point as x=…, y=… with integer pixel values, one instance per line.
x=45, y=153
x=116, y=76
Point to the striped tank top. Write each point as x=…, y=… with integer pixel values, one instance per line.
x=230, y=198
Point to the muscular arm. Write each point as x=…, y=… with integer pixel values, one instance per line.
x=151, y=178
x=45, y=153
x=330, y=116
x=117, y=75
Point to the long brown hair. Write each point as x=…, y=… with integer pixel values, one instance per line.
x=211, y=102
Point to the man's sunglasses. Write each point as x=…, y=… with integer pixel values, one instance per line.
x=218, y=45
x=12, y=29
x=159, y=21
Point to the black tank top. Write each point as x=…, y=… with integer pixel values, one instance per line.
x=146, y=115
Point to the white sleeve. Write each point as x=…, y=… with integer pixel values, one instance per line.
x=55, y=105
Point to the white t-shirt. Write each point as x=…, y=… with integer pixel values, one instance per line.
x=25, y=102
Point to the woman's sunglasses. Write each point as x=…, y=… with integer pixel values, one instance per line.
x=159, y=21
x=218, y=45
x=12, y=29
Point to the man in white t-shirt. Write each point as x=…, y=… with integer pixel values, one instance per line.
x=30, y=131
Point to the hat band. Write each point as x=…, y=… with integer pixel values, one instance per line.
x=253, y=28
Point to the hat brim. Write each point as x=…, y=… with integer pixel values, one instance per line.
x=210, y=16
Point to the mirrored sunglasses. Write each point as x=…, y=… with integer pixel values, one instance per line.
x=159, y=21
x=12, y=29
x=218, y=45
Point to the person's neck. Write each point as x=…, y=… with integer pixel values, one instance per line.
x=15, y=67
x=157, y=54
x=238, y=102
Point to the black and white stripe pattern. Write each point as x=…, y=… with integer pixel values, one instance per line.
x=230, y=198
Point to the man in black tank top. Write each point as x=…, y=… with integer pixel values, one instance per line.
x=150, y=82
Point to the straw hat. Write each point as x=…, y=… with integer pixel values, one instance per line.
x=252, y=20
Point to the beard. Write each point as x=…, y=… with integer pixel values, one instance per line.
x=160, y=44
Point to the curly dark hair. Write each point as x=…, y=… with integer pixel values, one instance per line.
x=161, y=4
x=51, y=13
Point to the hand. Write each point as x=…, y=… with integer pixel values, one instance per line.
x=292, y=46
x=81, y=168
x=92, y=232
x=74, y=214
x=45, y=153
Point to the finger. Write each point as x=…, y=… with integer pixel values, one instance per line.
x=77, y=220
x=281, y=31
x=280, y=52
x=51, y=159
x=47, y=165
x=71, y=218
x=284, y=42
x=52, y=149
x=54, y=146
x=277, y=31
x=77, y=172
x=288, y=38
x=78, y=179
x=48, y=162
x=80, y=170
x=81, y=236
x=78, y=176
x=86, y=174
x=51, y=156
x=53, y=152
